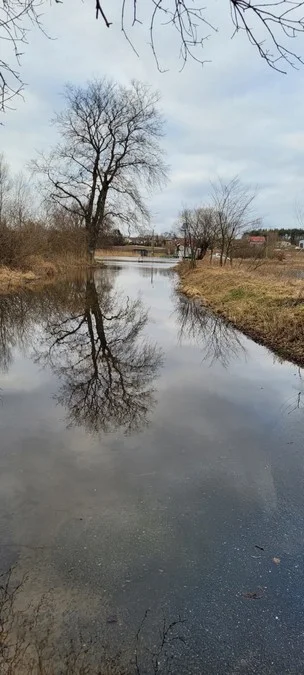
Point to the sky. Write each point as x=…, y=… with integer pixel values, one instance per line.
x=233, y=116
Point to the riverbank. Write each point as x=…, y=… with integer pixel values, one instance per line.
x=261, y=302
x=40, y=271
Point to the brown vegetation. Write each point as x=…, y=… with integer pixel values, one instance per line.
x=34, y=245
x=266, y=302
x=119, y=252
x=128, y=251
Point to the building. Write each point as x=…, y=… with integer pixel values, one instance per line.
x=301, y=243
x=256, y=240
x=183, y=252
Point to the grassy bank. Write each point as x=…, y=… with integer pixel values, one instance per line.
x=264, y=303
x=39, y=270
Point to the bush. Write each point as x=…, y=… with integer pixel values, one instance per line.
x=35, y=246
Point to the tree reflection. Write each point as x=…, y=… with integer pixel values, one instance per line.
x=100, y=355
x=218, y=340
x=22, y=312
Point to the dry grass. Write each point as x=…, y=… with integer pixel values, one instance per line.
x=116, y=252
x=14, y=278
x=37, y=270
x=259, y=301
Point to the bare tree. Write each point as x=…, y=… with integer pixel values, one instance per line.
x=20, y=201
x=199, y=226
x=233, y=207
x=271, y=28
x=108, y=157
x=5, y=187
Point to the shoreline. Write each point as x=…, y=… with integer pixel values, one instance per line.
x=266, y=309
x=44, y=272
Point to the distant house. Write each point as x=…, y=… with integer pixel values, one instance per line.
x=183, y=252
x=256, y=240
x=301, y=243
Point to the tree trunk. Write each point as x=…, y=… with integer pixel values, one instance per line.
x=91, y=243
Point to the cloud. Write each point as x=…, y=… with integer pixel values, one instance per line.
x=233, y=116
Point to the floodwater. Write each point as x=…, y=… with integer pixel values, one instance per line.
x=152, y=471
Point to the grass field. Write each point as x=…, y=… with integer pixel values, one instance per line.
x=266, y=302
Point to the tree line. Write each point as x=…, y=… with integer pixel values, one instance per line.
x=217, y=225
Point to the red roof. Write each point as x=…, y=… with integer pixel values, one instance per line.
x=257, y=240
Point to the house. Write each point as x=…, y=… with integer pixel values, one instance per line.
x=183, y=251
x=256, y=240
x=301, y=243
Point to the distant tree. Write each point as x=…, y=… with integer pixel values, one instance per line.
x=20, y=205
x=108, y=155
x=232, y=203
x=200, y=228
x=5, y=187
x=270, y=28
x=110, y=237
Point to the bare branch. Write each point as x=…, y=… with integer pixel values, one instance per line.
x=271, y=27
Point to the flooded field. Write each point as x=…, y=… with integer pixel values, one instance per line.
x=151, y=478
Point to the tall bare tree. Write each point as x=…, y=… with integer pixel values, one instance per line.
x=271, y=28
x=233, y=208
x=108, y=157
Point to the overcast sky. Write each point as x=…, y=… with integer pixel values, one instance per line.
x=233, y=116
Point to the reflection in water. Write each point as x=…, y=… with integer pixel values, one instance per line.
x=218, y=340
x=23, y=312
x=105, y=366
x=93, y=341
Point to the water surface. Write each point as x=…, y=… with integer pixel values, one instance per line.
x=152, y=459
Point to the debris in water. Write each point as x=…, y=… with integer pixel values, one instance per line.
x=112, y=618
x=260, y=548
x=276, y=561
x=254, y=595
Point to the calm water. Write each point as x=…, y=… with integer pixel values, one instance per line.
x=153, y=459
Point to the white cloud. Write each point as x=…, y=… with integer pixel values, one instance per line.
x=234, y=115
